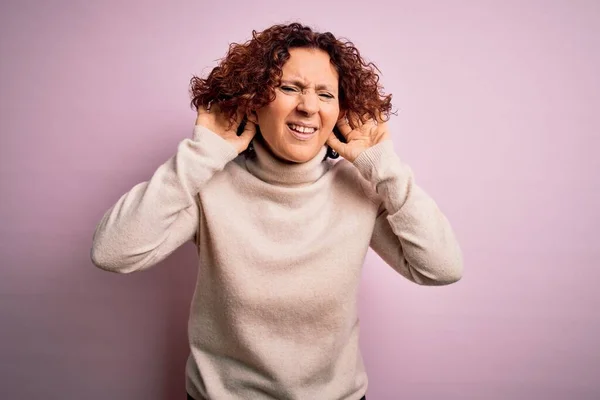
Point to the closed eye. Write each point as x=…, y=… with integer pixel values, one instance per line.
x=293, y=89
x=289, y=89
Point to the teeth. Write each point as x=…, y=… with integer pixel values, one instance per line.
x=302, y=129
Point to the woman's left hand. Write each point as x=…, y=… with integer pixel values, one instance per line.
x=359, y=139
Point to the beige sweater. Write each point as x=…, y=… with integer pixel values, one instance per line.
x=280, y=247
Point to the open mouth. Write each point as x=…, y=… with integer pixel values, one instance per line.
x=301, y=132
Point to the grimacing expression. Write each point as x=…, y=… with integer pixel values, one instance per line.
x=296, y=125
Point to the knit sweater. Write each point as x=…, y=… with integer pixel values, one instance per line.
x=281, y=247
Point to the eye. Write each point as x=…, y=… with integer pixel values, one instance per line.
x=327, y=95
x=289, y=89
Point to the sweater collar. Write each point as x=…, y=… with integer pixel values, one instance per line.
x=271, y=170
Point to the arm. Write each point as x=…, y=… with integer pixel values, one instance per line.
x=156, y=217
x=411, y=234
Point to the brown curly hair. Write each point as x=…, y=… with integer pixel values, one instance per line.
x=248, y=75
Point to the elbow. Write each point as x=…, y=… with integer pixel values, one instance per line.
x=102, y=260
x=452, y=274
x=107, y=261
x=449, y=267
x=444, y=273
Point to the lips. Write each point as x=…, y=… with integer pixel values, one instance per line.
x=302, y=131
x=301, y=135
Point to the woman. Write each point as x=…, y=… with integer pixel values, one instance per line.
x=281, y=230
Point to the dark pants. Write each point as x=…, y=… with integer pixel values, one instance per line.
x=191, y=398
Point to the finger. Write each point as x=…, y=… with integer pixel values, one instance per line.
x=366, y=117
x=359, y=137
x=220, y=117
x=371, y=123
x=354, y=120
x=249, y=130
x=202, y=117
x=336, y=145
x=239, y=117
x=344, y=127
x=213, y=108
x=380, y=117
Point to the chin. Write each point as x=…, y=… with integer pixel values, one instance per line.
x=292, y=151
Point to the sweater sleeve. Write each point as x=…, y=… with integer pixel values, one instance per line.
x=156, y=217
x=411, y=234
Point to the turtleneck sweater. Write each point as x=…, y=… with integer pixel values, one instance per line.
x=281, y=248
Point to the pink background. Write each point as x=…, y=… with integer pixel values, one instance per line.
x=499, y=105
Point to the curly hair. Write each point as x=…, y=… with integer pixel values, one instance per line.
x=246, y=78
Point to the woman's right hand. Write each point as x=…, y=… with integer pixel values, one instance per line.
x=217, y=122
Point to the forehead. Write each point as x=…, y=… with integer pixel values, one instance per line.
x=313, y=66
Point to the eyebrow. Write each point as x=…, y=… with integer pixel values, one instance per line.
x=299, y=83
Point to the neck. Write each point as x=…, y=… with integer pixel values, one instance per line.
x=272, y=169
x=268, y=148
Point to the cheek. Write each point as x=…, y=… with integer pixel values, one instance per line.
x=331, y=117
x=273, y=114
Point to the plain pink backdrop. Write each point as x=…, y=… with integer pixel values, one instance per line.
x=498, y=114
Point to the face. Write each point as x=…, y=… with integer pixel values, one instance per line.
x=298, y=122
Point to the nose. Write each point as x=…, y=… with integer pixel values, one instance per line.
x=308, y=103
